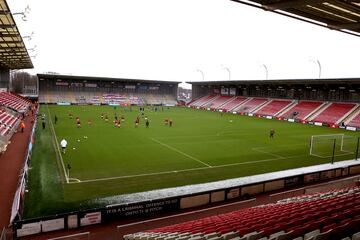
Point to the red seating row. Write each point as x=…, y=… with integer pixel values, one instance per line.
x=273, y=107
x=7, y=122
x=301, y=110
x=334, y=212
x=250, y=105
x=201, y=101
x=355, y=122
x=334, y=113
x=13, y=101
x=219, y=101
x=234, y=103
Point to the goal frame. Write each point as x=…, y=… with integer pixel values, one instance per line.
x=339, y=136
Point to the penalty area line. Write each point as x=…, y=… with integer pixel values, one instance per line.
x=178, y=151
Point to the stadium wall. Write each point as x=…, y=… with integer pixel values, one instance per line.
x=4, y=78
x=243, y=190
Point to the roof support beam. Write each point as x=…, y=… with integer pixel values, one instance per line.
x=4, y=12
x=348, y=26
x=9, y=35
x=291, y=4
x=7, y=25
x=10, y=42
x=9, y=57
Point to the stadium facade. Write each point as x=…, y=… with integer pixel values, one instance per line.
x=333, y=89
x=65, y=89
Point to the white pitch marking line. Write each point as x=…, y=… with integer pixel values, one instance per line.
x=336, y=155
x=272, y=154
x=184, y=170
x=57, y=145
x=75, y=179
x=177, y=150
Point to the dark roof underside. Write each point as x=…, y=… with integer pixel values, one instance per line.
x=13, y=53
x=87, y=78
x=282, y=81
x=341, y=15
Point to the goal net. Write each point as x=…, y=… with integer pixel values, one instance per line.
x=322, y=145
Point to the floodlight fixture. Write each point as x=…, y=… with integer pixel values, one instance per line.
x=316, y=61
x=228, y=70
x=202, y=74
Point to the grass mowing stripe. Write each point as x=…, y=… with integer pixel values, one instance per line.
x=177, y=150
x=57, y=145
x=268, y=153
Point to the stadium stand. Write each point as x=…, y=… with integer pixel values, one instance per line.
x=8, y=122
x=220, y=101
x=251, y=105
x=233, y=104
x=93, y=90
x=317, y=111
x=204, y=101
x=194, y=102
x=14, y=102
x=13, y=106
x=333, y=214
x=273, y=107
x=301, y=110
x=334, y=113
x=355, y=121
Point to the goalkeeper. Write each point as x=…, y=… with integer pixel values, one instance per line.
x=272, y=133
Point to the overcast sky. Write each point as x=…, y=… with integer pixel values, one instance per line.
x=171, y=39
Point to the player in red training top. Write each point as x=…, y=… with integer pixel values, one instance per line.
x=78, y=122
x=117, y=123
x=166, y=121
x=170, y=122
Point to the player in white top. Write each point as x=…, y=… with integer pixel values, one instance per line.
x=63, y=144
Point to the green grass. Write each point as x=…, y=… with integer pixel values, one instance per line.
x=201, y=146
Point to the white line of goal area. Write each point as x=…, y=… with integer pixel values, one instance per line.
x=58, y=148
x=185, y=170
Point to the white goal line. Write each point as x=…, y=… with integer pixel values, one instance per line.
x=329, y=135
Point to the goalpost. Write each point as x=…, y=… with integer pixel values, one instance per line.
x=324, y=146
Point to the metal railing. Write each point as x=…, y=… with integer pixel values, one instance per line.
x=3, y=234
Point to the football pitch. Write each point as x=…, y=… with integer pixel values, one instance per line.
x=200, y=146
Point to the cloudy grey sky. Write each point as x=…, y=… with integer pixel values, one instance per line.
x=171, y=39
